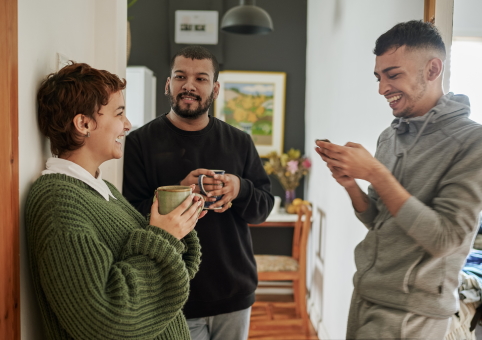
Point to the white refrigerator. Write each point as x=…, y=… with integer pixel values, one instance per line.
x=140, y=95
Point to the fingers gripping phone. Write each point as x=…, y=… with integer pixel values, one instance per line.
x=323, y=140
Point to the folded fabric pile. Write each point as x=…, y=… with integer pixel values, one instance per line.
x=470, y=288
x=459, y=328
x=466, y=319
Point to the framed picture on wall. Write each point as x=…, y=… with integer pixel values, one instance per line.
x=196, y=27
x=254, y=102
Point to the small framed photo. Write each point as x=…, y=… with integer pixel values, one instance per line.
x=196, y=27
x=254, y=102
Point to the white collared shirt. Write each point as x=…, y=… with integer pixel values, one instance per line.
x=65, y=167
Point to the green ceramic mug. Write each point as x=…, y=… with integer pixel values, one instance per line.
x=170, y=197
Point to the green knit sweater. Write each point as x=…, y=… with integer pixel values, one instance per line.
x=99, y=270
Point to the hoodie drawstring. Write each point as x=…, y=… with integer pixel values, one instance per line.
x=403, y=154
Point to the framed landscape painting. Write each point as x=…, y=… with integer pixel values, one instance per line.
x=254, y=102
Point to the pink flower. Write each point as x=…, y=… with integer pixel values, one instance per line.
x=292, y=166
x=307, y=163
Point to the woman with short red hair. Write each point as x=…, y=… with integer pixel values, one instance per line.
x=100, y=270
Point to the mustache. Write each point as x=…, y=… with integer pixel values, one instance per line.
x=188, y=94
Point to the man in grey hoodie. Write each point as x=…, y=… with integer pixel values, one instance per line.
x=424, y=198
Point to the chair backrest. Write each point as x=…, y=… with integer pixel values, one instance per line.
x=300, y=234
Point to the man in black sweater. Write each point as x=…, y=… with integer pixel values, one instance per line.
x=176, y=148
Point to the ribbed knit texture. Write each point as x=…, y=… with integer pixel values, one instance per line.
x=99, y=270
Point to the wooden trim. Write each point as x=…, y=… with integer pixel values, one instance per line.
x=429, y=11
x=9, y=185
x=288, y=304
x=278, y=276
x=444, y=13
x=270, y=323
x=295, y=251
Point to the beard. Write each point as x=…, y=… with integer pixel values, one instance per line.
x=189, y=113
x=419, y=89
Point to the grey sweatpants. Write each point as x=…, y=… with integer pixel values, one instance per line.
x=367, y=320
x=229, y=326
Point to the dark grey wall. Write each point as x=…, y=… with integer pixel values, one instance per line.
x=283, y=50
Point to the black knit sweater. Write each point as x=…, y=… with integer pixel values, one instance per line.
x=160, y=154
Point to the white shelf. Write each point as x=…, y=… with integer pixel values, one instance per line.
x=282, y=216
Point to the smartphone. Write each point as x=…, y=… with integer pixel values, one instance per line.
x=322, y=140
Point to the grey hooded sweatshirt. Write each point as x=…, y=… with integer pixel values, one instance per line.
x=412, y=261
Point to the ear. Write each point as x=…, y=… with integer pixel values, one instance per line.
x=435, y=68
x=166, y=88
x=216, y=89
x=82, y=124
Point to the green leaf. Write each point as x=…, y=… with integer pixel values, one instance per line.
x=131, y=3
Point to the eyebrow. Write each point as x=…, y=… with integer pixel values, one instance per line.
x=388, y=69
x=121, y=108
x=200, y=73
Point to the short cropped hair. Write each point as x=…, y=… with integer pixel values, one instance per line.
x=198, y=53
x=414, y=34
x=76, y=88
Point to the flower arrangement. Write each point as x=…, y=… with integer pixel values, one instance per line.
x=289, y=168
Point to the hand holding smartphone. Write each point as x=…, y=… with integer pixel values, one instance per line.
x=321, y=140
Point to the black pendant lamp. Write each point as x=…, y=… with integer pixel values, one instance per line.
x=247, y=19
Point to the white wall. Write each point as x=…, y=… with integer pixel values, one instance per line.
x=467, y=18
x=342, y=104
x=87, y=31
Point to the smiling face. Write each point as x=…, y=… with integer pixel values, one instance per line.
x=107, y=133
x=191, y=87
x=402, y=77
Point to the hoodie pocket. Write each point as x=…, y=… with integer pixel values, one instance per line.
x=425, y=276
x=410, y=274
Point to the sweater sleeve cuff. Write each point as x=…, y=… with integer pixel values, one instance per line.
x=177, y=244
x=192, y=241
x=368, y=216
x=409, y=213
x=244, y=189
x=192, y=257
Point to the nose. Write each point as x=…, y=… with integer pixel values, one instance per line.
x=127, y=125
x=383, y=87
x=189, y=86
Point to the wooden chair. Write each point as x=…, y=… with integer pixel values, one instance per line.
x=285, y=268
